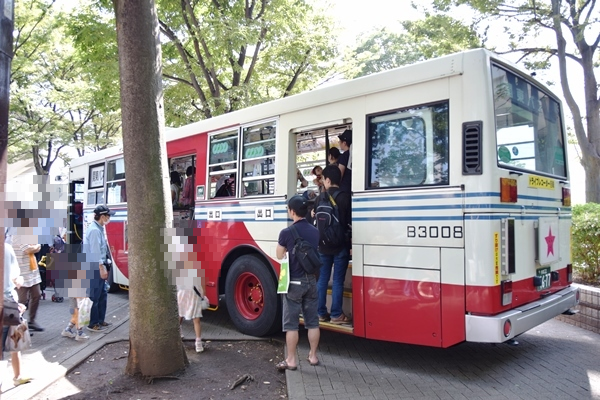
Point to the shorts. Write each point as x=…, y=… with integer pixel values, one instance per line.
x=299, y=299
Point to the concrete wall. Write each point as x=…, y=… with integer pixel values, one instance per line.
x=589, y=310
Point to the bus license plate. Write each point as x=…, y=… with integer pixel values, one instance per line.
x=544, y=273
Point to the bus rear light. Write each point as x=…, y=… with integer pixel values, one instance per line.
x=537, y=281
x=508, y=190
x=506, y=288
x=570, y=273
x=555, y=276
x=566, y=197
x=507, y=328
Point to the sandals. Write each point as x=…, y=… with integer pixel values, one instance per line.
x=311, y=363
x=324, y=318
x=283, y=365
x=342, y=319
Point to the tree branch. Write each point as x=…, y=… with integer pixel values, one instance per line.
x=532, y=50
x=176, y=79
x=194, y=31
x=173, y=38
x=257, y=48
x=297, y=72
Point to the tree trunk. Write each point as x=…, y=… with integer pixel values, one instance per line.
x=155, y=346
x=589, y=142
x=39, y=168
x=591, y=166
x=6, y=54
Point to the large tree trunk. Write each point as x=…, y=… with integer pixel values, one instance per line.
x=6, y=53
x=155, y=346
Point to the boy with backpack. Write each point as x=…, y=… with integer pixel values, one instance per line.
x=333, y=215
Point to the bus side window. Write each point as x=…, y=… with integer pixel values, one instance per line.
x=222, y=162
x=258, y=155
x=178, y=178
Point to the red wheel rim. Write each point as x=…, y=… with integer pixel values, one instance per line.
x=249, y=296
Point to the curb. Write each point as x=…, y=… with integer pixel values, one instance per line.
x=68, y=363
x=76, y=359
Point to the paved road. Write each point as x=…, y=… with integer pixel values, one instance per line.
x=553, y=361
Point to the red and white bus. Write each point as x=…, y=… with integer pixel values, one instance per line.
x=461, y=207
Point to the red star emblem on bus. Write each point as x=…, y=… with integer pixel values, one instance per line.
x=550, y=242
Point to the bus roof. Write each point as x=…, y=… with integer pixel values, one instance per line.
x=411, y=74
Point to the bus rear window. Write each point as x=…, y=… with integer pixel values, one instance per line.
x=529, y=134
x=409, y=147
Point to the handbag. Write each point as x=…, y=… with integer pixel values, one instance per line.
x=10, y=313
x=204, y=303
x=18, y=338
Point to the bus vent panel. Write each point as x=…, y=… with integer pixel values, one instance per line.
x=472, y=148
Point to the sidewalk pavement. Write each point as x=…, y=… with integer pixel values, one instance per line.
x=53, y=356
x=553, y=361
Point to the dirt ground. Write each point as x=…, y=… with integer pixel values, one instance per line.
x=210, y=375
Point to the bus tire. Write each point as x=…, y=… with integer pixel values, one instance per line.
x=112, y=286
x=251, y=297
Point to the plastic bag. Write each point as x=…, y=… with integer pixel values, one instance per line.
x=205, y=304
x=85, y=309
x=284, y=276
x=18, y=338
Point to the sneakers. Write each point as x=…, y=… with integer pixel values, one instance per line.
x=96, y=328
x=199, y=346
x=81, y=336
x=105, y=324
x=21, y=381
x=342, y=319
x=68, y=332
x=35, y=327
x=324, y=318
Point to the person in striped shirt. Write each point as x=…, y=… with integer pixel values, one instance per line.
x=30, y=291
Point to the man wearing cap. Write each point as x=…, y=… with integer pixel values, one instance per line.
x=302, y=292
x=345, y=161
x=96, y=249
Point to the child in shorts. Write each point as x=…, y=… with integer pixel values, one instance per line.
x=73, y=330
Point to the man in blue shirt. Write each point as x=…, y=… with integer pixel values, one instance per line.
x=96, y=249
x=302, y=292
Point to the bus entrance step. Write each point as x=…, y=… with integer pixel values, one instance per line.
x=345, y=328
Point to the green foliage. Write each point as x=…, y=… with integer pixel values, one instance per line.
x=53, y=101
x=434, y=36
x=586, y=241
x=552, y=32
x=92, y=30
x=220, y=56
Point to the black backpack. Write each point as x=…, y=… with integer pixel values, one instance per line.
x=331, y=233
x=224, y=190
x=306, y=254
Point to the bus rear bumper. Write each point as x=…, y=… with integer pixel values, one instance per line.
x=491, y=329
